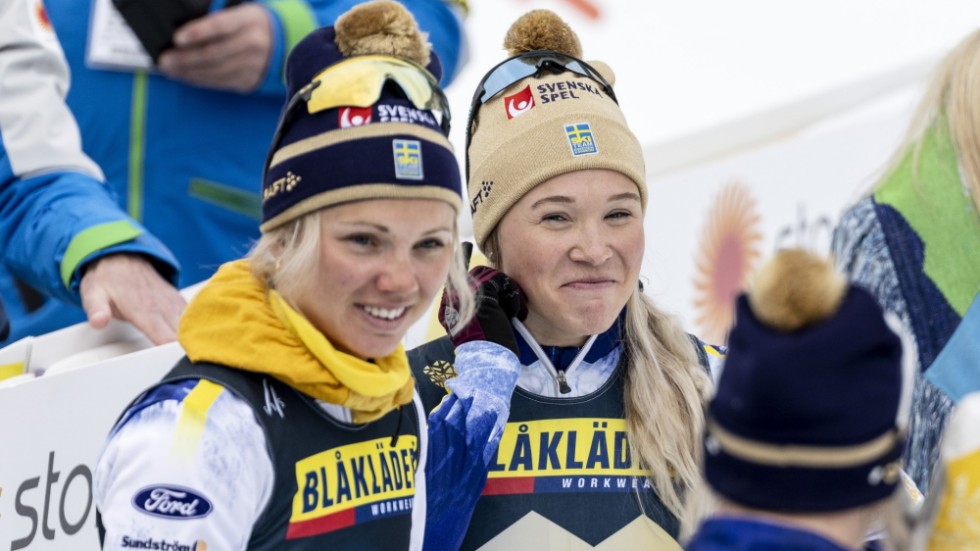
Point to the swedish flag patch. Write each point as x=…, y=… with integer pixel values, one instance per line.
x=580, y=139
x=408, y=159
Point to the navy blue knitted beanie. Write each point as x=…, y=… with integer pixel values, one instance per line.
x=391, y=149
x=807, y=415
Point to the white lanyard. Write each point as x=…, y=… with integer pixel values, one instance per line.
x=561, y=377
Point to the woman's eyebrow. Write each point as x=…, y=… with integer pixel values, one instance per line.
x=385, y=229
x=627, y=195
x=563, y=199
x=553, y=199
x=365, y=225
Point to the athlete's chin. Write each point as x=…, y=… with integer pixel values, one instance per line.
x=589, y=321
x=374, y=347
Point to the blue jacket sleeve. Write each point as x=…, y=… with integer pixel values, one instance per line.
x=464, y=432
x=294, y=19
x=52, y=224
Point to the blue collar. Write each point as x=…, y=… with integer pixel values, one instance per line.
x=745, y=534
x=562, y=356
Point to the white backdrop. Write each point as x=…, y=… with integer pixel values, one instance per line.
x=711, y=225
x=686, y=66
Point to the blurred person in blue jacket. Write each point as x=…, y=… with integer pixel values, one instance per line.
x=182, y=145
x=60, y=228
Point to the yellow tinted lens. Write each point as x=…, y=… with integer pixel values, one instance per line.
x=358, y=81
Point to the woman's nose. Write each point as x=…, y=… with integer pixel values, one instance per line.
x=592, y=247
x=397, y=274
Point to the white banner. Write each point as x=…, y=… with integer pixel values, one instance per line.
x=711, y=225
x=51, y=433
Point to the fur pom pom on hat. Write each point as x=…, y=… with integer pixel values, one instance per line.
x=329, y=149
x=382, y=27
x=541, y=30
x=555, y=121
x=806, y=415
x=795, y=289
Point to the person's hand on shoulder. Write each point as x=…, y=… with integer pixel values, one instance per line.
x=128, y=287
x=228, y=49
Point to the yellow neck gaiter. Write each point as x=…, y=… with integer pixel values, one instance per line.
x=236, y=322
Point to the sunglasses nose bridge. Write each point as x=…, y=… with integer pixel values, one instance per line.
x=551, y=65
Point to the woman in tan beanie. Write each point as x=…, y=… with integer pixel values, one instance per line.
x=602, y=441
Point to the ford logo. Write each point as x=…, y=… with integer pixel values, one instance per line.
x=172, y=502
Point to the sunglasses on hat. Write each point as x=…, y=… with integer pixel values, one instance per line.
x=358, y=82
x=519, y=67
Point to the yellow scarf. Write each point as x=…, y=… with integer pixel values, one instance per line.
x=236, y=322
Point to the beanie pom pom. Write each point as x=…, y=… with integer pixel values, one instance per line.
x=542, y=30
x=382, y=27
x=796, y=288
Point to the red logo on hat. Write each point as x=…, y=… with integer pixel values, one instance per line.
x=519, y=103
x=354, y=116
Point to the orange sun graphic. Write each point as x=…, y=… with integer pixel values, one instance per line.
x=728, y=253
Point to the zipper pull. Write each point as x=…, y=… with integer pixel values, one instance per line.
x=562, y=383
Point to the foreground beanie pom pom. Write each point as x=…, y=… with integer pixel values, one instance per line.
x=796, y=288
x=382, y=27
x=542, y=30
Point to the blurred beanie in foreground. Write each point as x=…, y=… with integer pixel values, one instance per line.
x=809, y=410
x=539, y=114
x=365, y=119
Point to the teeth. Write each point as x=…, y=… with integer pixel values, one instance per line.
x=384, y=313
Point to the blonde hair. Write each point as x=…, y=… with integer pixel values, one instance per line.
x=283, y=258
x=666, y=390
x=951, y=97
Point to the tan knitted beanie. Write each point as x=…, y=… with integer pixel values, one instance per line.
x=544, y=126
